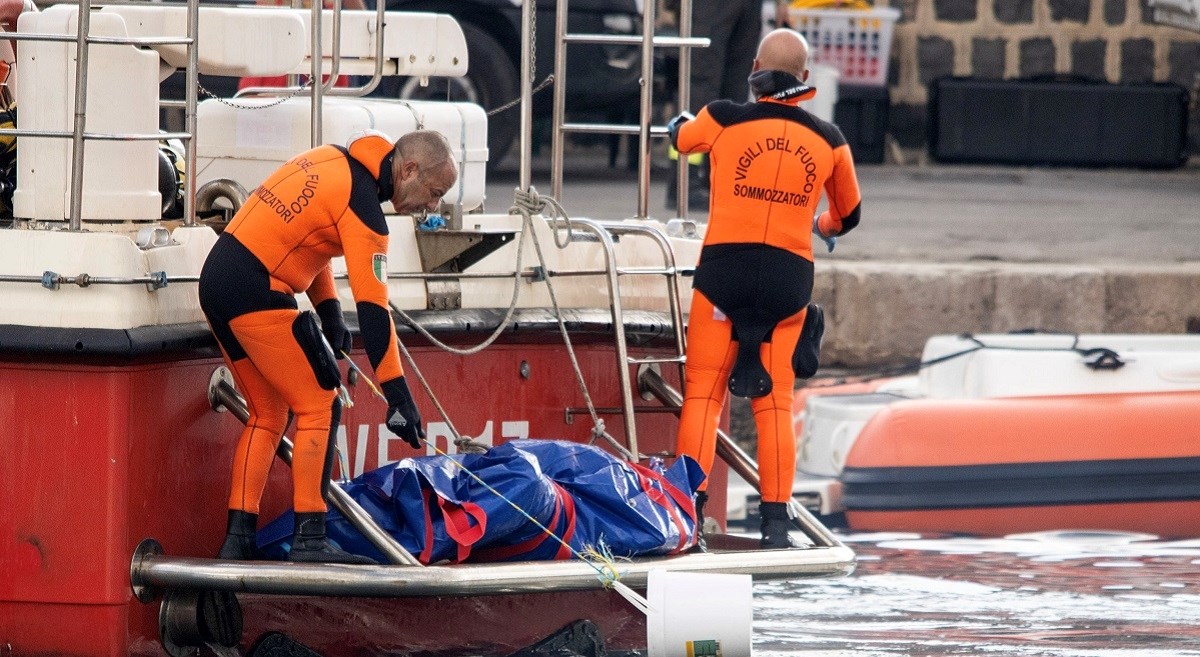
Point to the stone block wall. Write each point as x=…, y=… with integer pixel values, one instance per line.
x=1112, y=40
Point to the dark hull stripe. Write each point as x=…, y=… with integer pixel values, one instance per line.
x=1022, y=484
x=641, y=328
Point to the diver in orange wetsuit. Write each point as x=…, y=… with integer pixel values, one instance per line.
x=321, y=204
x=770, y=161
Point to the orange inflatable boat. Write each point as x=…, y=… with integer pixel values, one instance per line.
x=1015, y=434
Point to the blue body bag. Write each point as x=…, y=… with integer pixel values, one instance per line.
x=586, y=496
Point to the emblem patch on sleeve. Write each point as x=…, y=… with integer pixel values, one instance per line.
x=379, y=266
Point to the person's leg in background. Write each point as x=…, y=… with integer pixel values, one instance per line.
x=745, y=33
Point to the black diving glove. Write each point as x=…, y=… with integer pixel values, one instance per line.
x=674, y=126
x=334, y=327
x=402, y=417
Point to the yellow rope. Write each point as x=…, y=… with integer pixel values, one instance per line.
x=607, y=568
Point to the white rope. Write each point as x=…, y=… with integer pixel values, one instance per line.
x=529, y=203
x=512, y=307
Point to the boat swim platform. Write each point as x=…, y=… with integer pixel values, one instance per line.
x=882, y=312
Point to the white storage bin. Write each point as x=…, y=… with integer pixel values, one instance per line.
x=825, y=79
x=857, y=42
x=247, y=145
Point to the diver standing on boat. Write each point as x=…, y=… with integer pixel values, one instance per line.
x=321, y=204
x=751, y=323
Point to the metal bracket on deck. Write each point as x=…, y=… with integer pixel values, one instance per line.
x=219, y=376
x=448, y=251
x=148, y=547
x=443, y=294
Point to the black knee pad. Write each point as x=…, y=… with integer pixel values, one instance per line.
x=749, y=377
x=320, y=354
x=807, y=356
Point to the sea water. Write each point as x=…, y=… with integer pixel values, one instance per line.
x=1052, y=594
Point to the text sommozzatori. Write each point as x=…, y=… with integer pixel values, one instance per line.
x=771, y=194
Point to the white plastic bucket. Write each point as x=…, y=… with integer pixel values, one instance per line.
x=698, y=614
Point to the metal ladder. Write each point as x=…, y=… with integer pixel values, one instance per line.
x=648, y=42
x=606, y=233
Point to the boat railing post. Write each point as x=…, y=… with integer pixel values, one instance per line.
x=557, y=137
x=82, y=28
x=192, y=76
x=684, y=94
x=646, y=108
x=316, y=54
x=528, y=61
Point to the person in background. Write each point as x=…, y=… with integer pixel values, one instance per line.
x=751, y=327
x=321, y=204
x=734, y=28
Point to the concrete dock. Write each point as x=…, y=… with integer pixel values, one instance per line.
x=963, y=248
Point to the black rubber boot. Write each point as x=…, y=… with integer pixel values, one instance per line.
x=775, y=526
x=701, y=500
x=310, y=545
x=240, y=543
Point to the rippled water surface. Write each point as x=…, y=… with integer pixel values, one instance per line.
x=1063, y=594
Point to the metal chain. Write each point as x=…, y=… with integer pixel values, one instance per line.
x=532, y=68
x=517, y=101
x=279, y=101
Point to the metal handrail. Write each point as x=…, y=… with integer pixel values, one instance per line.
x=97, y=136
x=105, y=40
x=354, y=92
x=622, y=40
x=672, y=273
x=614, y=306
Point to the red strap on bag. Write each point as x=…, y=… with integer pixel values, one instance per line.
x=564, y=504
x=458, y=517
x=427, y=552
x=663, y=495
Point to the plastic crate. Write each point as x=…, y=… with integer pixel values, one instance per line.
x=857, y=42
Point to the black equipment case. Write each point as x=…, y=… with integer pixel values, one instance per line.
x=1058, y=122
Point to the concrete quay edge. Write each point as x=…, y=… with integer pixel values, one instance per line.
x=880, y=313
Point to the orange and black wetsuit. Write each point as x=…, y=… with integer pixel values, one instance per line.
x=770, y=162
x=321, y=204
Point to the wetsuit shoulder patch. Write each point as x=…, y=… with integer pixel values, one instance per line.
x=727, y=112
x=364, y=195
x=828, y=131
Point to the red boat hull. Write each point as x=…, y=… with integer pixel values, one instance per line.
x=114, y=450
